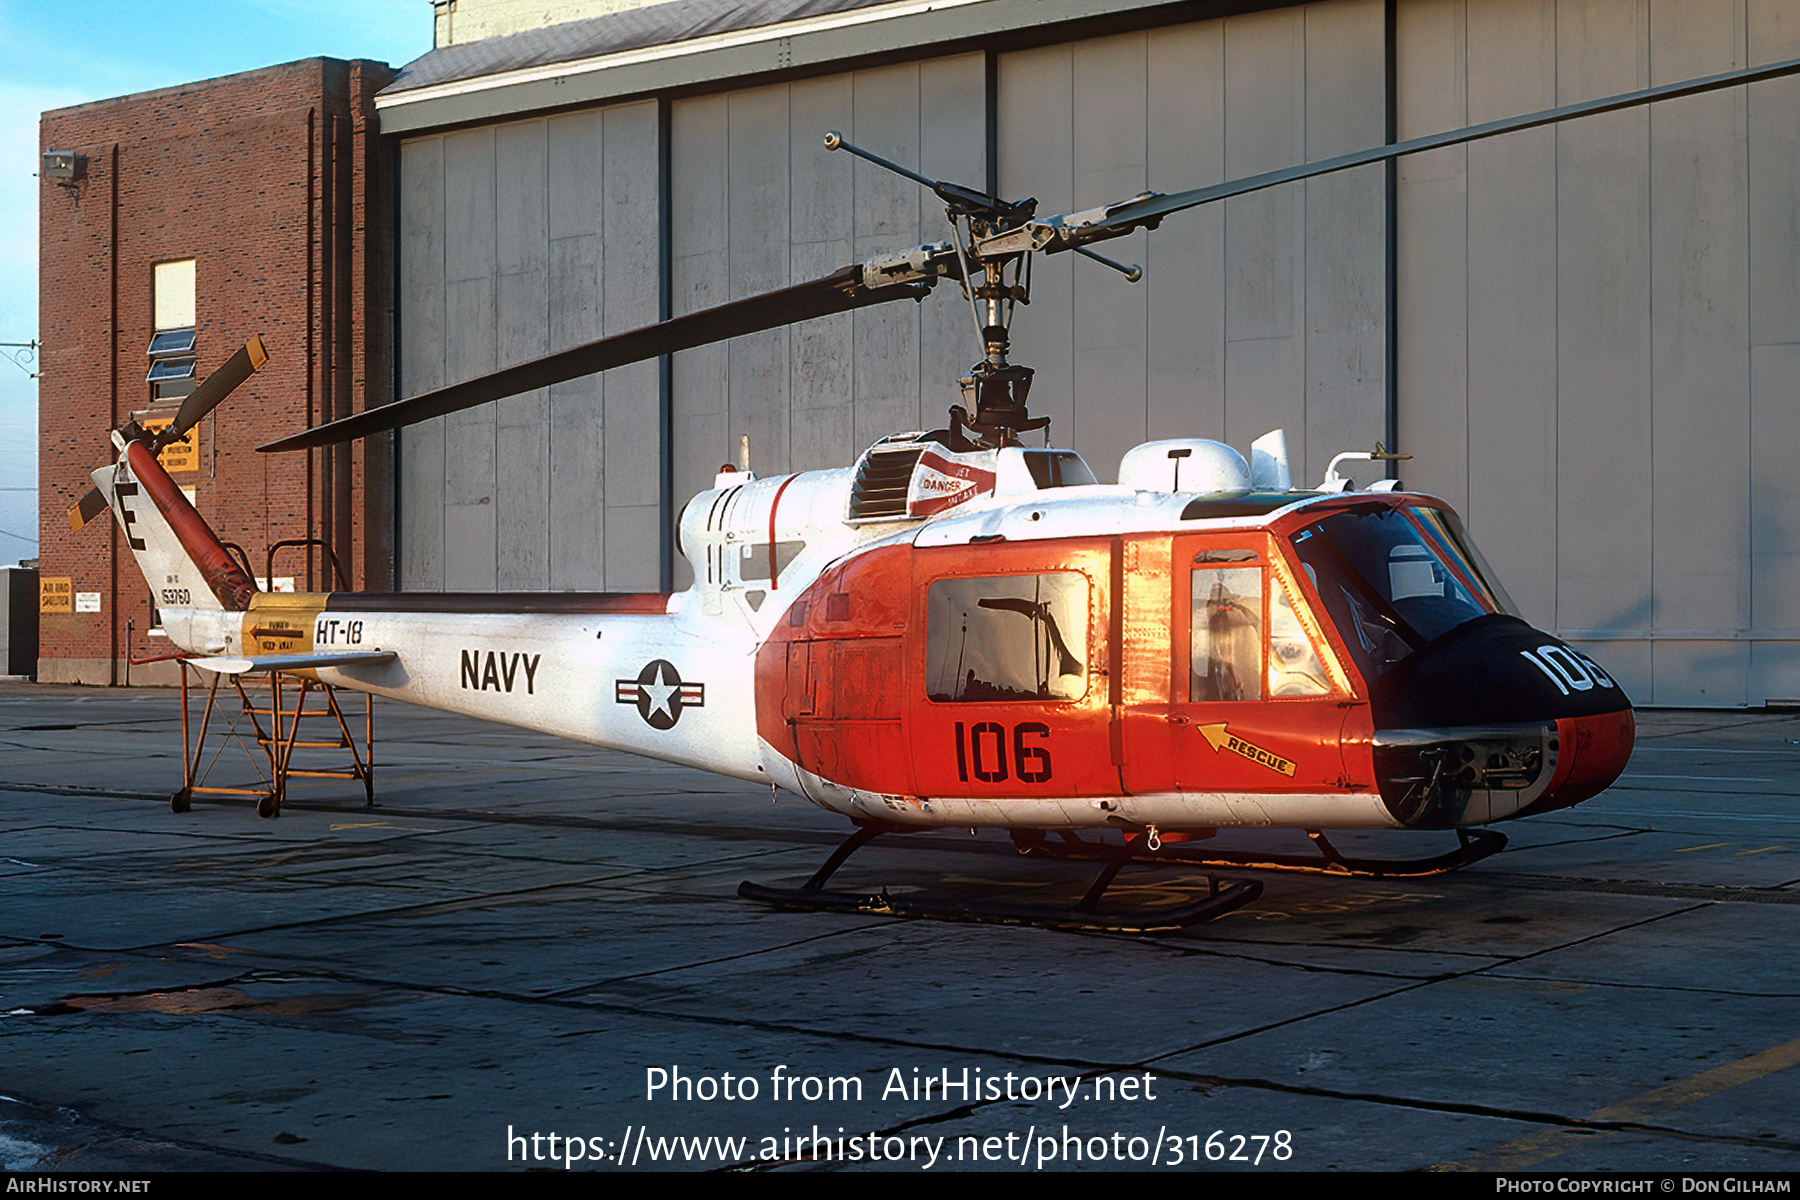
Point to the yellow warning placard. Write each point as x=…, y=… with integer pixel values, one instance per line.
x=177, y=456
x=56, y=594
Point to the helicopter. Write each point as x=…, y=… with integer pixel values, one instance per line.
x=963, y=631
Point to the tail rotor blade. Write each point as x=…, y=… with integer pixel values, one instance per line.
x=86, y=509
x=220, y=384
x=835, y=293
x=214, y=388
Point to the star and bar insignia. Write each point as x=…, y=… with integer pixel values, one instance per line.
x=659, y=694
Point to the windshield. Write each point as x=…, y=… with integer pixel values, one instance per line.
x=1394, y=579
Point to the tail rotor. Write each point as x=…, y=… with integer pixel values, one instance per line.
x=209, y=395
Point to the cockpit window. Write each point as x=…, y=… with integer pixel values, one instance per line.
x=1459, y=550
x=1225, y=648
x=1007, y=637
x=1294, y=666
x=1389, y=585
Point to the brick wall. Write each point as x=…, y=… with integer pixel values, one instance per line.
x=276, y=183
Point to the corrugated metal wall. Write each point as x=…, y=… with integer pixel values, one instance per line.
x=759, y=204
x=515, y=241
x=1265, y=311
x=1598, y=324
x=1600, y=329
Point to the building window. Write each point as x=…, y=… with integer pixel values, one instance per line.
x=175, y=295
x=171, y=351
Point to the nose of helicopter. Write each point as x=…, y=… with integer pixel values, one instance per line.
x=1496, y=719
x=1592, y=754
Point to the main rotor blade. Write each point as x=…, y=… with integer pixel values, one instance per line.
x=214, y=388
x=1066, y=233
x=838, y=292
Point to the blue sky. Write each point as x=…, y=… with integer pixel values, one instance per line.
x=56, y=54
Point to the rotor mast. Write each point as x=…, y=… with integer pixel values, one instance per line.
x=991, y=257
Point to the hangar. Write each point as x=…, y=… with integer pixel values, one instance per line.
x=1587, y=336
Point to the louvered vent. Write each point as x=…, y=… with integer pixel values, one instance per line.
x=879, y=493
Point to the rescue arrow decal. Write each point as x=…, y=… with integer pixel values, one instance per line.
x=1219, y=738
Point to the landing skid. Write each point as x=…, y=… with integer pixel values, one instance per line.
x=1086, y=914
x=1474, y=845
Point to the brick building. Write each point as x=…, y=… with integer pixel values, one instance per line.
x=190, y=219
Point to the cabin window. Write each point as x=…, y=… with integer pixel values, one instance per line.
x=755, y=560
x=1058, y=468
x=1007, y=637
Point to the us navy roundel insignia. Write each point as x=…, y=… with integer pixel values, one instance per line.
x=659, y=694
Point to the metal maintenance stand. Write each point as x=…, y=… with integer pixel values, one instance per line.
x=276, y=727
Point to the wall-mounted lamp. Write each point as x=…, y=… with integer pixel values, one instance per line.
x=64, y=165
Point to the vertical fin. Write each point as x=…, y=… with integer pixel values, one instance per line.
x=182, y=559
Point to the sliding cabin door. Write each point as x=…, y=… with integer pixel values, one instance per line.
x=1012, y=696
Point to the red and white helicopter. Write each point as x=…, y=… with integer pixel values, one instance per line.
x=963, y=631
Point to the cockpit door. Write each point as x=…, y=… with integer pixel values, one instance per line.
x=1249, y=705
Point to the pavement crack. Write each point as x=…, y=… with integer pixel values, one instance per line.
x=69, y=789
x=1441, y=977
x=1618, y=831
x=708, y=962
x=1468, y=1108
x=1748, y=723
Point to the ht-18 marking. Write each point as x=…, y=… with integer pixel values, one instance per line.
x=333, y=632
